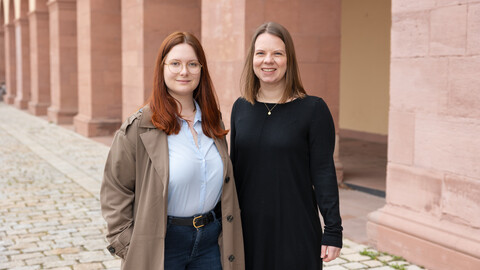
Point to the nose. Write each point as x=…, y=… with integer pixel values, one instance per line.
x=184, y=70
x=268, y=58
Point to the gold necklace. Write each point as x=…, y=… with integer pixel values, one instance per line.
x=270, y=110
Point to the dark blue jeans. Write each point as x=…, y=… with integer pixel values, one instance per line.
x=189, y=248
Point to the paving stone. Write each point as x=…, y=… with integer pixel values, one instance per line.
x=60, y=263
x=30, y=267
x=354, y=265
x=335, y=267
x=413, y=267
x=373, y=263
x=88, y=266
x=347, y=250
x=385, y=258
x=11, y=264
x=42, y=260
x=397, y=263
x=355, y=257
x=25, y=256
x=335, y=262
x=59, y=251
x=10, y=252
x=96, y=244
x=112, y=264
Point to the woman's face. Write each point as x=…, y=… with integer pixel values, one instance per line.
x=182, y=71
x=270, y=60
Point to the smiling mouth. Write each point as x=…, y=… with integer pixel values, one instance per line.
x=269, y=69
x=183, y=81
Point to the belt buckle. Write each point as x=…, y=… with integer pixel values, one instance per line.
x=195, y=222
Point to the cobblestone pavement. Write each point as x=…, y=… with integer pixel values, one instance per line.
x=49, y=208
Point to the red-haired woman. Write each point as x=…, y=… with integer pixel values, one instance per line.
x=168, y=170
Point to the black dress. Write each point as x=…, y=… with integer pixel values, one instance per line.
x=283, y=166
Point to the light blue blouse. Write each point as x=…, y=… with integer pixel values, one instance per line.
x=196, y=173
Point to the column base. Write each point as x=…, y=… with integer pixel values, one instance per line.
x=95, y=127
x=9, y=99
x=60, y=117
x=424, y=240
x=38, y=109
x=21, y=104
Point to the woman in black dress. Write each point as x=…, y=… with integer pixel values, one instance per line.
x=282, y=143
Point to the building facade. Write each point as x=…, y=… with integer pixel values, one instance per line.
x=90, y=63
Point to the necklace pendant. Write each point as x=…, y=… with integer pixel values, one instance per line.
x=269, y=113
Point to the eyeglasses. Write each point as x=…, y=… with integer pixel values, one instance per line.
x=193, y=67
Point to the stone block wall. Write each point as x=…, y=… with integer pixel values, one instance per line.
x=433, y=177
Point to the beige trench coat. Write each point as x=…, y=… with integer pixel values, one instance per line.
x=134, y=196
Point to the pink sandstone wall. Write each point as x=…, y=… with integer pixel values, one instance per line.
x=225, y=43
x=39, y=60
x=63, y=61
x=145, y=24
x=10, y=63
x=99, y=67
x=22, y=38
x=2, y=50
x=433, y=178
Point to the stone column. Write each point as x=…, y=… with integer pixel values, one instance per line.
x=145, y=24
x=225, y=42
x=10, y=63
x=22, y=35
x=63, y=61
x=39, y=62
x=227, y=29
x=2, y=54
x=99, y=67
x=433, y=178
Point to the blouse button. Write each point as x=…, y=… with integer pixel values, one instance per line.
x=227, y=179
x=231, y=258
x=229, y=218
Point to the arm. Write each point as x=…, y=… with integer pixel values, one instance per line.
x=118, y=190
x=323, y=175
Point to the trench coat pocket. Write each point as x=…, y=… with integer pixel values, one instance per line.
x=119, y=246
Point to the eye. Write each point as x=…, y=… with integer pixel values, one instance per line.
x=279, y=53
x=175, y=63
x=259, y=53
x=193, y=64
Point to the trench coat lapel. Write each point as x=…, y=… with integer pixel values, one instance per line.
x=156, y=146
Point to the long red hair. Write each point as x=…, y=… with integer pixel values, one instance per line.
x=164, y=107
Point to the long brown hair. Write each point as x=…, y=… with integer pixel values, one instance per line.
x=293, y=83
x=165, y=108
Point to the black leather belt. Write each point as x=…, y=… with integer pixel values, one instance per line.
x=197, y=221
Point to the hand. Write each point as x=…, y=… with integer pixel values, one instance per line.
x=330, y=253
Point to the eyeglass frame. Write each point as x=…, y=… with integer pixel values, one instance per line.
x=186, y=66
